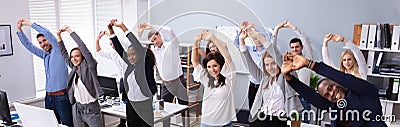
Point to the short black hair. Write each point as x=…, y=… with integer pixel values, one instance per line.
x=294, y=40
x=39, y=35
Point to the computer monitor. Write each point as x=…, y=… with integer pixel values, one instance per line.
x=5, y=110
x=109, y=86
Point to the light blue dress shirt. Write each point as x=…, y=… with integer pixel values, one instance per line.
x=54, y=64
x=254, y=53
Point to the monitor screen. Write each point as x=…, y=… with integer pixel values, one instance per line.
x=4, y=109
x=109, y=86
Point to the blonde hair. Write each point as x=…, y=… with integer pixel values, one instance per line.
x=270, y=78
x=355, y=66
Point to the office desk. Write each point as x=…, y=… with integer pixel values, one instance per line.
x=19, y=124
x=170, y=110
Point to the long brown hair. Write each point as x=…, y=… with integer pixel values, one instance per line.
x=355, y=66
x=221, y=61
x=270, y=78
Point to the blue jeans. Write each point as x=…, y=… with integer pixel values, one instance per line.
x=205, y=125
x=61, y=107
x=307, y=106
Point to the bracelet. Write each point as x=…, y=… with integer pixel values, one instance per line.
x=194, y=48
x=309, y=63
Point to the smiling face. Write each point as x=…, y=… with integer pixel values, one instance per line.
x=76, y=57
x=331, y=90
x=256, y=41
x=213, y=68
x=212, y=47
x=156, y=39
x=44, y=43
x=132, y=55
x=270, y=66
x=348, y=61
x=296, y=48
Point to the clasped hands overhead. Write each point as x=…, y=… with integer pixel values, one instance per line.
x=293, y=62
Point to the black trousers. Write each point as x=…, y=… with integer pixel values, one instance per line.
x=134, y=120
x=252, y=93
x=167, y=95
x=268, y=122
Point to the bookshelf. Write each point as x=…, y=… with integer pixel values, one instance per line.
x=192, y=88
x=382, y=79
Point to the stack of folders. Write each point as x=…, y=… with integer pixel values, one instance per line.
x=392, y=91
x=390, y=68
x=379, y=36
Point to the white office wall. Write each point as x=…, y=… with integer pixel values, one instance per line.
x=16, y=71
x=314, y=17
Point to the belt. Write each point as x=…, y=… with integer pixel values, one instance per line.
x=57, y=93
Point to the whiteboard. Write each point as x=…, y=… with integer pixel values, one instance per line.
x=228, y=34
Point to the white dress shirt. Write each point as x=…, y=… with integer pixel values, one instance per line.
x=81, y=94
x=218, y=103
x=134, y=93
x=167, y=56
x=273, y=100
x=362, y=65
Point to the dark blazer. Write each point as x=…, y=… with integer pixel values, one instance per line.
x=143, y=67
x=361, y=95
x=87, y=71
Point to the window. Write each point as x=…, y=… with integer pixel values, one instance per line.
x=86, y=17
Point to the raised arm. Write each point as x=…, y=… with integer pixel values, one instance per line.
x=142, y=27
x=254, y=70
x=102, y=53
x=308, y=52
x=248, y=25
x=114, y=39
x=49, y=36
x=278, y=27
x=82, y=47
x=270, y=46
x=306, y=92
x=195, y=50
x=362, y=65
x=139, y=49
x=349, y=81
x=26, y=42
x=325, y=53
x=101, y=34
x=63, y=50
x=142, y=59
x=222, y=47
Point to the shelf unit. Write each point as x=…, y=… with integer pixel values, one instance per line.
x=190, y=85
x=389, y=107
x=384, y=76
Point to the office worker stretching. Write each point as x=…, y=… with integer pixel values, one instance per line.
x=338, y=87
x=351, y=61
x=297, y=45
x=83, y=86
x=139, y=82
x=168, y=62
x=256, y=52
x=218, y=75
x=274, y=98
x=56, y=98
x=113, y=56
